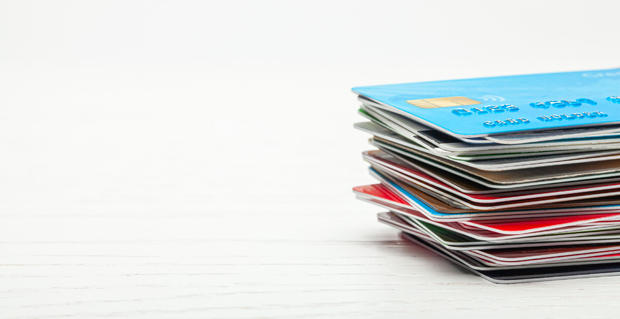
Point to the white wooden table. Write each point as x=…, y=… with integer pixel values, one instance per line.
x=118, y=209
x=176, y=159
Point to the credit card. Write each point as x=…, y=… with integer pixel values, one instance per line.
x=412, y=176
x=454, y=241
x=481, y=264
x=468, y=152
x=438, y=209
x=455, y=235
x=468, y=186
x=505, y=179
x=536, y=104
x=499, y=201
x=527, y=161
x=520, y=275
x=540, y=255
x=513, y=224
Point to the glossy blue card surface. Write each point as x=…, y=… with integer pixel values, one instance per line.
x=484, y=106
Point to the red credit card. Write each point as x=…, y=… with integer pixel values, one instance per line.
x=502, y=226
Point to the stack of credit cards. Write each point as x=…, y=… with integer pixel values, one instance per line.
x=514, y=178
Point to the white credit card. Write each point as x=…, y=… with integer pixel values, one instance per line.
x=513, y=163
x=464, y=151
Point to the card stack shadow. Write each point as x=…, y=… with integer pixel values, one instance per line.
x=513, y=178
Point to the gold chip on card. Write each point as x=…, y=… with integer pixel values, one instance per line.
x=443, y=102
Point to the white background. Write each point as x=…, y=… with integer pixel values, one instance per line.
x=194, y=159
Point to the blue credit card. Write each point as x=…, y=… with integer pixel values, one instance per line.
x=506, y=104
x=412, y=198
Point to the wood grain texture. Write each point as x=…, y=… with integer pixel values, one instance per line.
x=176, y=266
